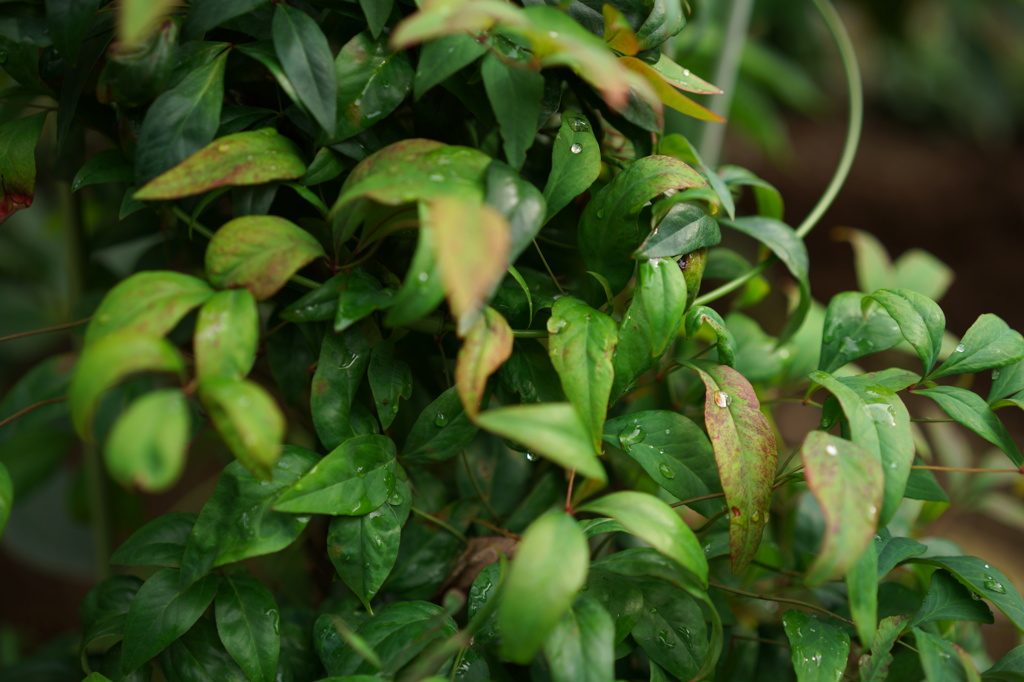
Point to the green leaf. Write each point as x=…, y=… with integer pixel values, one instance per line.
x=199, y=656
x=372, y=82
x=895, y=550
x=988, y=344
x=679, y=147
x=247, y=622
x=515, y=94
x=662, y=287
x=226, y=336
x=985, y=581
x=608, y=230
x=148, y=303
x=875, y=668
x=548, y=570
x=421, y=291
x=782, y=241
x=671, y=630
x=136, y=19
x=657, y=524
x=745, y=453
x=160, y=542
x=109, y=361
x=862, y=591
x=353, y=479
x=252, y=157
x=6, y=497
x=441, y=430
x=248, y=419
x=697, y=317
x=390, y=380
x=103, y=612
x=441, y=58
x=18, y=140
x=486, y=346
x=581, y=344
x=361, y=295
x=238, y=521
x=148, y=444
x=969, y=409
x=306, y=58
x=320, y=304
x=364, y=549
x=620, y=597
x=819, y=649
x=847, y=481
x=850, y=332
x=343, y=361
x=920, y=320
x=1009, y=668
x=769, y=201
x=937, y=656
x=575, y=162
x=581, y=647
x=260, y=253
x=181, y=121
x=520, y=202
x=683, y=227
x=947, y=599
x=1006, y=381
x=68, y=20
x=107, y=166
x=377, y=13
x=162, y=611
x=553, y=430
x=206, y=14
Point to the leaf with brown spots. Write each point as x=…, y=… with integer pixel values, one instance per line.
x=18, y=140
x=488, y=344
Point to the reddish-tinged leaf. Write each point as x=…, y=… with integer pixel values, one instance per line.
x=18, y=140
x=745, y=453
x=488, y=344
x=847, y=481
x=253, y=157
x=150, y=303
x=618, y=33
x=668, y=94
x=260, y=253
x=437, y=18
x=248, y=420
x=682, y=78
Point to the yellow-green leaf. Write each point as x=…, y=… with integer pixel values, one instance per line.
x=227, y=334
x=149, y=303
x=149, y=441
x=487, y=345
x=248, y=420
x=136, y=19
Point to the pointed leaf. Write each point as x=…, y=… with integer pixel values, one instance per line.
x=862, y=591
x=340, y=369
x=685, y=227
x=671, y=630
x=68, y=20
x=377, y=13
x=18, y=140
x=581, y=647
x=937, y=656
x=422, y=290
x=227, y=335
x=745, y=453
x=1006, y=381
x=697, y=317
x=769, y=200
x=681, y=78
x=970, y=410
x=575, y=162
x=441, y=431
x=148, y=444
x=988, y=344
x=947, y=599
x=662, y=286
x=847, y=481
x=206, y=14
x=361, y=295
x=248, y=419
x=260, y=253
x=581, y=344
x=920, y=320
x=819, y=648
x=668, y=95
x=487, y=345
x=850, y=332
x=515, y=94
x=520, y=202
x=618, y=33
x=444, y=56
x=552, y=430
x=306, y=58
x=372, y=82
x=549, y=568
x=160, y=542
x=107, y=166
x=247, y=622
x=390, y=380
x=985, y=581
x=1009, y=668
x=364, y=549
x=875, y=668
x=149, y=303
x=353, y=479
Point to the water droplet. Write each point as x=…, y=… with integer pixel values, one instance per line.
x=722, y=399
x=600, y=213
x=872, y=511
x=664, y=639
x=436, y=177
x=358, y=102
x=960, y=348
x=995, y=586
x=668, y=432
x=531, y=457
x=995, y=374
x=576, y=148
x=553, y=34
x=273, y=168
x=755, y=516
x=631, y=435
x=666, y=471
x=831, y=450
x=555, y=326
x=686, y=73
x=578, y=125
x=441, y=419
x=423, y=277
x=224, y=148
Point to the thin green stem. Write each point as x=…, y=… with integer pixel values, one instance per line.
x=433, y=519
x=697, y=499
x=735, y=284
x=55, y=328
x=780, y=600
x=968, y=470
x=548, y=267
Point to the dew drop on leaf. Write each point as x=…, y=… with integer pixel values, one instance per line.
x=631, y=435
x=666, y=471
x=960, y=348
x=994, y=586
x=531, y=457
x=441, y=419
x=722, y=399
x=831, y=450
x=576, y=148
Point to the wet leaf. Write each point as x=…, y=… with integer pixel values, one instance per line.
x=372, y=82
x=486, y=346
x=353, y=479
x=937, y=656
x=947, y=599
x=259, y=253
x=227, y=335
x=681, y=78
x=520, y=202
x=199, y=656
x=819, y=648
x=1006, y=381
x=552, y=430
x=575, y=162
x=306, y=58
x=969, y=409
x=920, y=319
x=361, y=296
x=247, y=623
x=441, y=430
x=697, y=317
x=985, y=581
x=18, y=140
x=581, y=647
x=515, y=94
x=668, y=94
x=875, y=667
x=252, y=157
x=248, y=419
x=745, y=453
x=148, y=303
x=549, y=568
x=988, y=344
x=390, y=380
x=364, y=549
x=337, y=416
x=671, y=630
x=662, y=287
x=685, y=227
x=107, y=166
x=148, y=444
x=422, y=291
x=160, y=542
x=847, y=481
x=442, y=58
x=850, y=332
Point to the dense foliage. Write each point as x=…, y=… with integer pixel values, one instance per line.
x=431, y=275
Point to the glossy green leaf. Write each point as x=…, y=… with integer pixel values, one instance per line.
x=862, y=591
x=860, y=418
x=662, y=286
x=353, y=479
x=875, y=667
x=969, y=409
x=515, y=94
x=204, y=15
x=441, y=58
x=320, y=304
x=199, y=656
x=575, y=162
x=679, y=147
x=252, y=157
x=1006, y=381
x=657, y=524
x=894, y=550
x=364, y=549
x=620, y=597
x=247, y=622
x=260, y=253
x=306, y=58
x=163, y=610
x=238, y=521
x=372, y=82
x=769, y=201
x=548, y=570
x=103, y=611
x=520, y=202
x=377, y=13
x=248, y=419
x=160, y=542
x=581, y=344
x=947, y=599
x=745, y=453
x=683, y=227
x=148, y=444
x=343, y=361
x=672, y=631
x=920, y=320
x=937, y=657
x=486, y=346
x=226, y=336
x=1009, y=668
x=422, y=291
x=181, y=121
x=608, y=229
x=107, y=166
x=18, y=140
x=985, y=581
x=581, y=647
x=441, y=430
x=851, y=332
x=6, y=497
x=988, y=344
x=109, y=361
x=361, y=295
x=149, y=303
x=818, y=648
x=697, y=317
x=552, y=430
x=847, y=481
x=390, y=380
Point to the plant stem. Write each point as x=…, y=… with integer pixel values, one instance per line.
x=55, y=328
x=41, y=403
x=780, y=600
x=548, y=267
x=734, y=284
x=433, y=519
x=968, y=470
x=697, y=499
